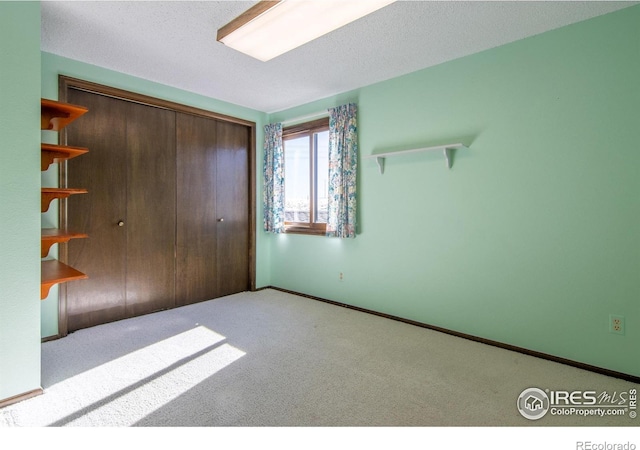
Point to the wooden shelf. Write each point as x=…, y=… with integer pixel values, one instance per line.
x=52, y=236
x=57, y=115
x=54, y=272
x=447, y=150
x=50, y=194
x=51, y=153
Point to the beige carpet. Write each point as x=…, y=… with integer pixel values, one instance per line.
x=271, y=359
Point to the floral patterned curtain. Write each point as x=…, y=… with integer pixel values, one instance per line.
x=273, y=179
x=343, y=165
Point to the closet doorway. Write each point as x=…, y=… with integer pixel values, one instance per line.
x=170, y=209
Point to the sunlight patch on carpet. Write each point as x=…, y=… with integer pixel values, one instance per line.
x=125, y=390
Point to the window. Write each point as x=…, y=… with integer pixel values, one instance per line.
x=306, y=177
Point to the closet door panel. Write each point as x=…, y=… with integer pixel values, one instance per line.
x=167, y=211
x=197, y=218
x=232, y=200
x=102, y=171
x=151, y=209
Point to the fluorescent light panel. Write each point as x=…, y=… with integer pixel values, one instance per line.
x=288, y=24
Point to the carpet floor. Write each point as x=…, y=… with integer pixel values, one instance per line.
x=272, y=359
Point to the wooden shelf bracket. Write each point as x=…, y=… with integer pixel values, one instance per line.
x=50, y=194
x=51, y=153
x=54, y=272
x=56, y=115
x=51, y=236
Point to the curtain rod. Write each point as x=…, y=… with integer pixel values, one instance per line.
x=296, y=120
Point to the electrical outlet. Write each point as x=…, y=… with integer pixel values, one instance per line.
x=616, y=324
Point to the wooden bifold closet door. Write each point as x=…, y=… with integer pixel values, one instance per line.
x=212, y=233
x=167, y=211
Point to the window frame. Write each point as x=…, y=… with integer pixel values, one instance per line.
x=297, y=131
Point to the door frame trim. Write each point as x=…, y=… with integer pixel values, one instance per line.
x=65, y=83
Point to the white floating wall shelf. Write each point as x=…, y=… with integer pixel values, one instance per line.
x=447, y=149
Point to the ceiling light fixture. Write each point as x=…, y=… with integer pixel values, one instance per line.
x=271, y=28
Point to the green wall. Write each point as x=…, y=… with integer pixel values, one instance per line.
x=53, y=66
x=533, y=237
x=20, y=198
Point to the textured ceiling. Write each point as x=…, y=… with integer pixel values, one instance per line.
x=174, y=43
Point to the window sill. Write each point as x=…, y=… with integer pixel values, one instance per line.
x=305, y=230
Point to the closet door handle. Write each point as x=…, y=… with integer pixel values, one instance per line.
x=120, y=223
x=221, y=219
